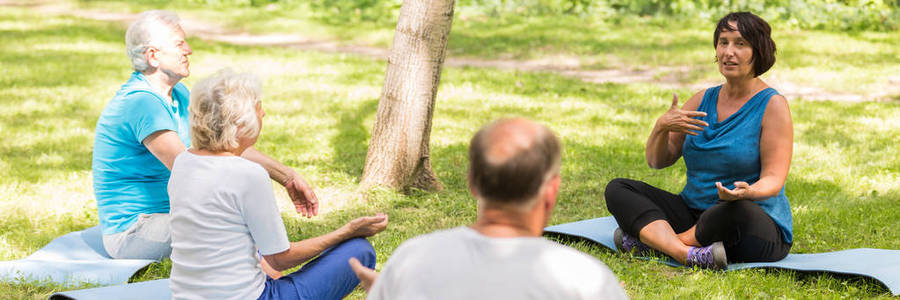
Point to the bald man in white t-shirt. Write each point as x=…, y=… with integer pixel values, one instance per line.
x=514, y=175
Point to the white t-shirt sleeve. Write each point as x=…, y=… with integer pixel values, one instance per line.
x=384, y=286
x=609, y=287
x=583, y=275
x=261, y=214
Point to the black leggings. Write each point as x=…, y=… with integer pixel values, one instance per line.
x=748, y=233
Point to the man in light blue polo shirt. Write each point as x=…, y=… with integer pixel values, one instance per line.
x=140, y=132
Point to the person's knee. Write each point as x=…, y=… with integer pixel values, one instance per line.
x=613, y=189
x=142, y=249
x=741, y=209
x=361, y=249
x=729, y=215
x=616, y=184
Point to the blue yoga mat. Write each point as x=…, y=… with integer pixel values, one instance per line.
x=147, y=290
x=77, y=257
x=879, y=264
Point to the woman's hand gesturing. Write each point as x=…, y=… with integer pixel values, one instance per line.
x=683, y=121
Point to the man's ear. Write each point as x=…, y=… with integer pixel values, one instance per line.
x=551, y=191
x=150, y=56
x=471, y=186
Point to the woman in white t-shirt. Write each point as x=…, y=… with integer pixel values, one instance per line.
x=226, y=227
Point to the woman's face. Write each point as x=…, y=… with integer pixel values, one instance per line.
x=734, y=54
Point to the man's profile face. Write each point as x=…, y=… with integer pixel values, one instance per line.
x=172, y=53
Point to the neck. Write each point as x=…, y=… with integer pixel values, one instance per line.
x=740, y=88
x=161, y=82
x=205, y=152
x=507, y=223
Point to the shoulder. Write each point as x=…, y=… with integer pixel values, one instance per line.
x=181, y=88
x=183, y=158
x=182, y=92
x=777, y=102
x=405, y=263
x=777, y=110
x=249, y=168
x=232, y=167
x=579, y=273
x=435, y=239
x=251, y=176
x=694, y=102
x=572, y=258
x=143, y=100
x=428, y=245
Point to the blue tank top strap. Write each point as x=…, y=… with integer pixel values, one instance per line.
x=753, y=109
x=761, y=99
x=710, y=98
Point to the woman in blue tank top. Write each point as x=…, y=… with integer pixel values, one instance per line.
x=737, y=141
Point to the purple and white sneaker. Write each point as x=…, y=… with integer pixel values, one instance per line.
x=627, y=243
x=709, y=257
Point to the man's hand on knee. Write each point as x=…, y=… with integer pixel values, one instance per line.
x=366, y=276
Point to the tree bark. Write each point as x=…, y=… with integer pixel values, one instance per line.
x=399, y=152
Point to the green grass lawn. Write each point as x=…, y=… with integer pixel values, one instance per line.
x=58, y=72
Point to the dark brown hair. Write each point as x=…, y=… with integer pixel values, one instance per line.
x=517, y=178
x=757, y=32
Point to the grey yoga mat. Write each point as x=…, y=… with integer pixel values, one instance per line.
x=879, y=264
x=76, y=257
x=147, y=290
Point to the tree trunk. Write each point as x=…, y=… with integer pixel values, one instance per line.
x=399, y=152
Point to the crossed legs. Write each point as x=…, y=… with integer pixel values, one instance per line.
x=664, y=222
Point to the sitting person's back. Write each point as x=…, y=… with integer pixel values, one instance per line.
x=213, y=243
x=227, y=232
x=514, y=174
x=460, y=263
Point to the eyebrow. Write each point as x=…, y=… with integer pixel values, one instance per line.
x=741, y=38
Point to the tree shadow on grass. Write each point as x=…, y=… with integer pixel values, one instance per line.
x=828, y=217
x=44, y=143
x=75, y=63
x=587, y=168
x=28, y=233
x=47, y=158
x=351, y=143
x=844, y=281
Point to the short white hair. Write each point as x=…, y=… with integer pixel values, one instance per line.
x=140, y=35
x=223, y=109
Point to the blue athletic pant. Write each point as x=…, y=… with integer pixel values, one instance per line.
x=327, y=277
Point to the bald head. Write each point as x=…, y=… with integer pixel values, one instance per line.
x=509, y=160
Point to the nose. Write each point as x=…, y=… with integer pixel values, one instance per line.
x=730, y=50
x=187, y=49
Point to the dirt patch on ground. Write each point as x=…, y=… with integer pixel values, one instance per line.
x=567, y=66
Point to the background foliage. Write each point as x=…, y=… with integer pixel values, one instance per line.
x=817, y=14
